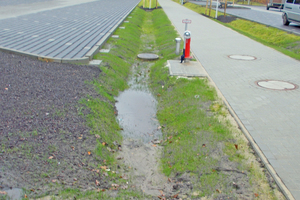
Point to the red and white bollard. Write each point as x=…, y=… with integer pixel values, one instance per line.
x=187, y=44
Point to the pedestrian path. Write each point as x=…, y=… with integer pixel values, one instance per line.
x=243, y=70
x=67, y=32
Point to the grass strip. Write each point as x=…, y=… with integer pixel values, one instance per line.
x=282, y=41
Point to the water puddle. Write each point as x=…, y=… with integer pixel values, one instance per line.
x=137, y=108
x=136, y=115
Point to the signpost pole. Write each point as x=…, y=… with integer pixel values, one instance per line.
x=206, y=7
x=210, y=7
x=217, y=9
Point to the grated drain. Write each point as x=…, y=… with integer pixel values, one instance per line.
x=276, y=85
x=242, y=57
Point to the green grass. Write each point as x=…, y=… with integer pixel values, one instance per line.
x=286, y=43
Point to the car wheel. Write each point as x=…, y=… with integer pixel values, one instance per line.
x=285, y=20
x=268, y=7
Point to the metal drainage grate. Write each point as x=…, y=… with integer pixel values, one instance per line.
x=242, y=57
x=276, y=85
x=148, y=56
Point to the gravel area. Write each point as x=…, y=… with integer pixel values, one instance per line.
x=45, y=143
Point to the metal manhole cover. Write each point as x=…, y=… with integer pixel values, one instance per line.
x=242, y=57
x=276, y=85
x=148, y=56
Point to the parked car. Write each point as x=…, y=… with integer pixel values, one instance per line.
x=291, y=12
x=275, y=4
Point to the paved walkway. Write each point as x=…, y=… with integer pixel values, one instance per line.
x=270, y=116
x=60, y=29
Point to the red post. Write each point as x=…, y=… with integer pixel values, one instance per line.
x=187, y=48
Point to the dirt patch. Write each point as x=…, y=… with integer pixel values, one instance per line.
x=45, y=144
x=226, y=19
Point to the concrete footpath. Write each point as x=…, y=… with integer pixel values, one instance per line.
x=259, y=84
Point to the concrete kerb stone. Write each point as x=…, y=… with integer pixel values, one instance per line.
x=253, y=144
x=19, y=52
x=84, y=60
x=94, y=50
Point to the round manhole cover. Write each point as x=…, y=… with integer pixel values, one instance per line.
x=276, y=85
x=242, y=57
x=148, y=56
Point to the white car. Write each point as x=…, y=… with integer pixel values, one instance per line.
x=291, y=12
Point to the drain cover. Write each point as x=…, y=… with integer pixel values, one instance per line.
x=242, y=57
x=276, y=85
x=148, y=56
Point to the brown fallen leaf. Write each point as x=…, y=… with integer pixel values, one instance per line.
x=170, y=141
x=73, y=148
x=97, y=136
x=6, y=88
x=256, y=195
x=203, y=145
x=154, y=145
x=3, y=192
x=114, y=185
x=218, y=190
x=175, y=196
x=169, y=180
x=51, y=157
x=104, y=143
x=97, y=182
x=79, y=138
x=158, y=95
x=25, y=196
x=236, y=146
x=103, y=167
x=170, y=137
x=89, y=152
x=54, y=181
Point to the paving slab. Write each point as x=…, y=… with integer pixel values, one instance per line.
x=269, y=117
x=187, y=69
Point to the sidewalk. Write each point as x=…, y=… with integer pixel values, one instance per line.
x=270, y=116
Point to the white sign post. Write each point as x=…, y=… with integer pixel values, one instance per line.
x=217, y=6
x=186, y=22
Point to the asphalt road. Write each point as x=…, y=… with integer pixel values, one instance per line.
x=62, y=29
x=259, y=14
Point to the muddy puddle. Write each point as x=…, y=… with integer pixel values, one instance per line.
x=141, y=131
